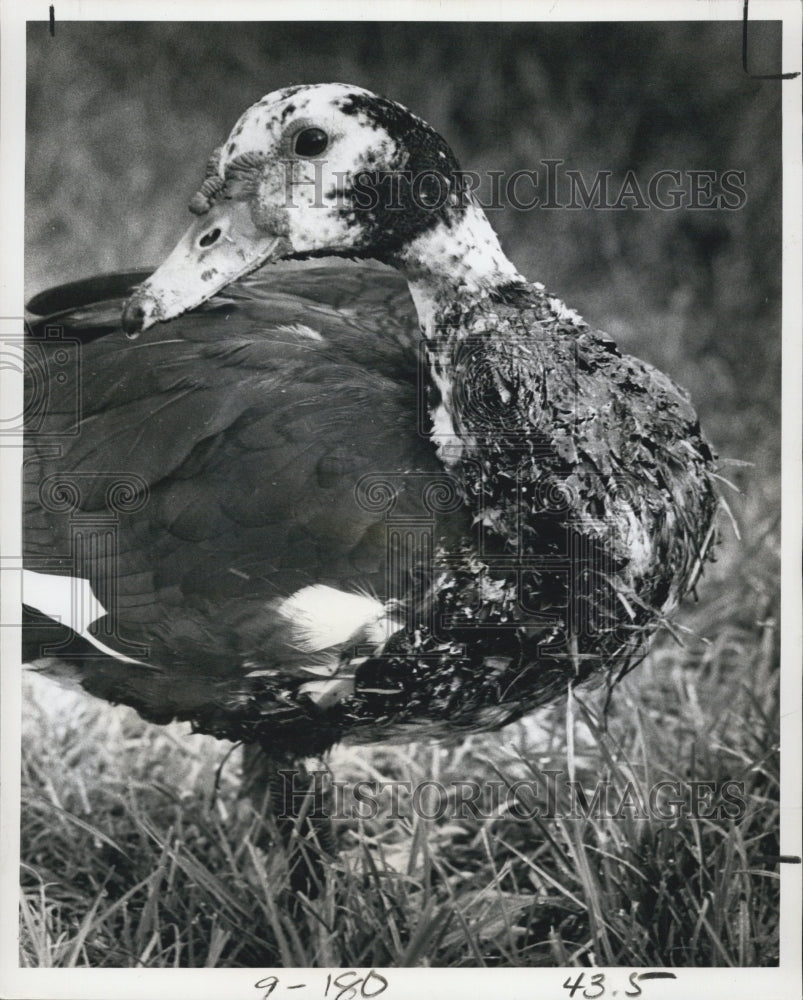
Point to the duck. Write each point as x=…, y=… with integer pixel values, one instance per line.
x=335, y=471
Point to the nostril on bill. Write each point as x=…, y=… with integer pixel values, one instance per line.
x=208, y=239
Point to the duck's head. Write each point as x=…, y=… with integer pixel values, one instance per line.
x=312, y=171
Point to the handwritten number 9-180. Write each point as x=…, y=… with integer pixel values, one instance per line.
x=346, y=985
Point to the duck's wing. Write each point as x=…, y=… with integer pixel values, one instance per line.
x=201, y=476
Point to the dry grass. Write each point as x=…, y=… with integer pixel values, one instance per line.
x=130, y=859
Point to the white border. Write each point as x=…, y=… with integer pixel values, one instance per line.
x=792, y=492
x=783, y=983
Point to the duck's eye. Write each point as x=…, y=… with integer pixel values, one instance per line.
x=310, y=142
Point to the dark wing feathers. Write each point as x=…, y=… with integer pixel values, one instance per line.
x=243, y=429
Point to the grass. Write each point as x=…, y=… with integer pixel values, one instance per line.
x=133, y=857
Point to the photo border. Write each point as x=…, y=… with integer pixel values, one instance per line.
x=733, y=984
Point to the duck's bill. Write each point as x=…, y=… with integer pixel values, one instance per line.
x=222, y=246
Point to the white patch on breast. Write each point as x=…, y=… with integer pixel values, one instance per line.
x=69, y=600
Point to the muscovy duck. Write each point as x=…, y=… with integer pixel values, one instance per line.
x=304, y=521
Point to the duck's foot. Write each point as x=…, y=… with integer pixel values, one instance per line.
x=292, y=797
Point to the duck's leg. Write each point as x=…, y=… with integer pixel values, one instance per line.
x=292, y=796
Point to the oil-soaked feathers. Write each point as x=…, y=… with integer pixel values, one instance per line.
x=249, y=424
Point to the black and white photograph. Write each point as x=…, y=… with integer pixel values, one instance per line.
x=401, y=500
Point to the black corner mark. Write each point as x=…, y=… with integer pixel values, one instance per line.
x=643, y=976
x=758, y=76
x=52, y=21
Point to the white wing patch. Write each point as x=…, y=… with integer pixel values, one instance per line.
x=321, y=617
x=69, y=600
x=324, y=618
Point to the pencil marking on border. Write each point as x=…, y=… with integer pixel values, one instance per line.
x=52, y=21
x=758, y=76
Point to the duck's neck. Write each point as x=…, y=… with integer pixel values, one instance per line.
x=454, y=266
x=457, y=275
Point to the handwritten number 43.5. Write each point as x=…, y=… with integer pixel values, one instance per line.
x=596, y=986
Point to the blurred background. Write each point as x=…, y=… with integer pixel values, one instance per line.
x=121, y=120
